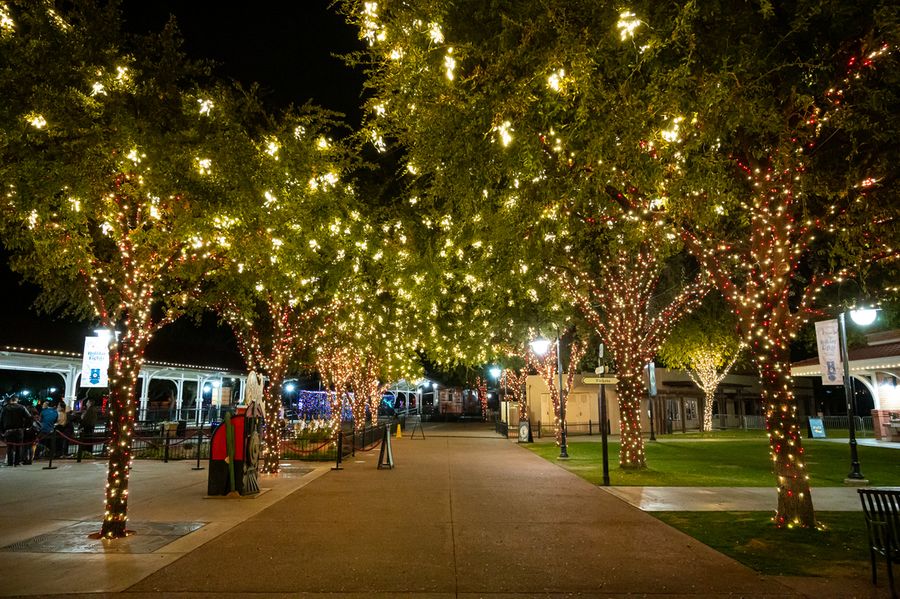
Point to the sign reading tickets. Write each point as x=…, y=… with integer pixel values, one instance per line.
x=95, y=363
x=828, y=343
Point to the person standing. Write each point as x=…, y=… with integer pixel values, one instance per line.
x=62, y=426
x=88, y=422
x=48, y=420
x=14, y=420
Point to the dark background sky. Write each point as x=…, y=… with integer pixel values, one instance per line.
x=289, y=49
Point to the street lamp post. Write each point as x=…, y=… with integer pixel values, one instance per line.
x=862, y=317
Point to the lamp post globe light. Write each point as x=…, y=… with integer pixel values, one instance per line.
x=541, y=346
x=862, y=317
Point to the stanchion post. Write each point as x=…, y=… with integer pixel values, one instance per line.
x=50, y=465
x=199, y=445
x=340, y=450
x=166, y=446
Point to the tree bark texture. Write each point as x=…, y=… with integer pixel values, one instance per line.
x=795, y=507
x=630, y=390
x=126, y=363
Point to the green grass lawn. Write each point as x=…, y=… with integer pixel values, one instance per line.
x=716, y=460
x=737, y=462
x=840, y=549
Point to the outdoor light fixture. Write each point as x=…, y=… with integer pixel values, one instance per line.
x=207, y=387
x=290, y=387
x=540, y=346
x=863, y=316
x=495, y=372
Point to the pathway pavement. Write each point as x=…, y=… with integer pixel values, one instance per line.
x=460, y=516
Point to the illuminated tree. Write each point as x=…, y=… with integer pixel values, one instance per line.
x=627, y=304
x=707, y=347
x=536, y=116
x=514, y=382
x=104, y=205
x=288, y=234
x=547, y=367
x=808, y=206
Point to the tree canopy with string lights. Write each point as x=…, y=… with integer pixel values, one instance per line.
x=105, y=204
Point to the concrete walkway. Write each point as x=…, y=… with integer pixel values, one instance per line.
x=462, y=515
x=730, y=499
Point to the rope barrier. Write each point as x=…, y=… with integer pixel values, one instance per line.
x=306, y=451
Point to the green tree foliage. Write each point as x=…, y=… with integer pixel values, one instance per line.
x=558, y=115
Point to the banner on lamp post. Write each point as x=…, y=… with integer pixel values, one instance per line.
x=95, y=363
x=828, y=343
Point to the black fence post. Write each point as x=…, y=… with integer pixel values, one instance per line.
x=340, y=450
x=50, y=465
x=353, y=439
x=590, y=428
x=166, y=446
x=199, y=444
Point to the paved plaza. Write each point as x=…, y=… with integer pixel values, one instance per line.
x=464, y=513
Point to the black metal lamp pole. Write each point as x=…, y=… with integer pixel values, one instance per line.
x=563, y=453
x=855, y=473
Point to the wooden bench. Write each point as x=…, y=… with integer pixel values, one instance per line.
x=882, y=510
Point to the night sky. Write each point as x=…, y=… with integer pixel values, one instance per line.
x=287, y=48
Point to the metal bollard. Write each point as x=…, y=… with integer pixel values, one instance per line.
x=199, y=444
x=50, y=465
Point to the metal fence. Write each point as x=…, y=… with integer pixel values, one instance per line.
x=178, y=441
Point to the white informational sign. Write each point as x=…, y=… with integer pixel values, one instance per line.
x=95, y=363
x=828, y=342
x=651, y=369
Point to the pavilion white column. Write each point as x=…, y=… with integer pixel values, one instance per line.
x=179, y=397
x=145, y=392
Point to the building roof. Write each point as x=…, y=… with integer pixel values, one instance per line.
x=872, y=352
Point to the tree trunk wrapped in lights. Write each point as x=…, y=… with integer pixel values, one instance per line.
x=621, y=302
x=757, y=278
x=270, y=336
x=546, y=367
x=367, y=389
x=514, y=382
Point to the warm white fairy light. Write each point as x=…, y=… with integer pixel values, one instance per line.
x=36, y=120
x=206, y=106
x=98, y=89
x=555, y=80
x=435, y=33
x=449, y=64
x=7, y=25
x=204, y=165
x=504, y=130
x=627, y=24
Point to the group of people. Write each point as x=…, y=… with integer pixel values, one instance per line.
x=28, y=432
